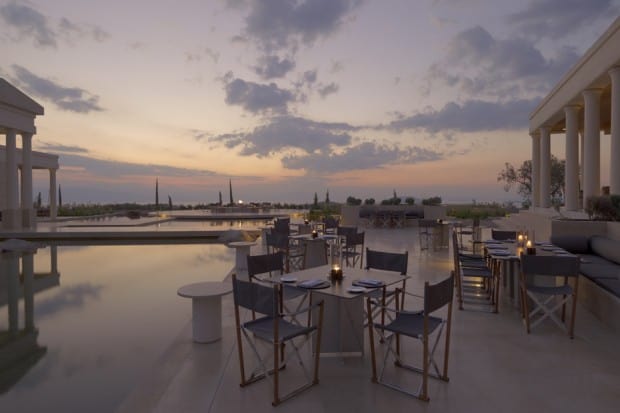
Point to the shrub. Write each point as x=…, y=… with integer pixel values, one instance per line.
x=603, y=207
x=435, y=200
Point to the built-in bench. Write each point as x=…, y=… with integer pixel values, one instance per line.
x=600, y=266
x=600, y=258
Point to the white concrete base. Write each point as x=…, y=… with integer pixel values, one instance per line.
x=206, y=309
x=207, y=319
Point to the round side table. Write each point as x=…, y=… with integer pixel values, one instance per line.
x=206, y=309
x=242, y=250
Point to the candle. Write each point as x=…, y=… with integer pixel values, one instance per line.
x=529, y=244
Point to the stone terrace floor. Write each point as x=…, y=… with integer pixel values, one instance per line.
x=494, y=365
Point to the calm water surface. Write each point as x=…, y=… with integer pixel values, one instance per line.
x=104, y=320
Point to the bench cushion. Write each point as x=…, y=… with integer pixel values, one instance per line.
x=613, y=286
x=606, y=248
x=577, y=244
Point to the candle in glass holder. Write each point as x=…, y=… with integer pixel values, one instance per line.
x=529, y=248
x=520, y=240
x=336, y=273
x=314, y=233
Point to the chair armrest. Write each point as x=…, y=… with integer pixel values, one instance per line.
x=400, y=291
x=302, y=310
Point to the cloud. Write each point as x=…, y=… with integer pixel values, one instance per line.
x=58, y=147
x=326, y=90
x=74, y=31
x=255, y=97
x=270, y=67
x=277, y=24
x=66, y=98
x=286, y=133
x=558, y=18
x=477, y=64
x=29, y=23
x=471, y=116
x=116, y=170
x=366, y=155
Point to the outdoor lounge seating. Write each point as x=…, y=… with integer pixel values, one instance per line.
x=293, y=255
x=600, y=258
x=417, y=325
x=353, y=249
x=272, y=264
x=549, y=297
x=275, y=330
x=387, y=261
x=476, y=283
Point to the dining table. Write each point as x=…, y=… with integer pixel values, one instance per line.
x=344, y=316
x=505, y=257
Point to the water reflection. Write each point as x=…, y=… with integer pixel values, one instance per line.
x=102, y=322
x=19, y=347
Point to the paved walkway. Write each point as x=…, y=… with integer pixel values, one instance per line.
x=494, y=365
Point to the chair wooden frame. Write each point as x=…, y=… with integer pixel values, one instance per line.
x=542, y=297
x=274, y=329
x=473, y=274
x=387, y=261
x=418, y=325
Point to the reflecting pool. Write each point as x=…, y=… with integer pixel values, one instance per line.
x=93, y=320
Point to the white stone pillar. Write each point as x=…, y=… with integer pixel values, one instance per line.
x=592, y=144
x=545, y=167
x=571, y=171
x=535, y=170
x=10, y=216
x=27, y=208
x=53, y=206
x=614, y=165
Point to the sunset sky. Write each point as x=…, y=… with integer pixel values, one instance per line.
x=290, y=97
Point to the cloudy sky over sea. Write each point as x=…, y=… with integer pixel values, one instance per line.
x=290, y=97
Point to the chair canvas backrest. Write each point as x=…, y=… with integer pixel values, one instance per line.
x=277, y=240
x=256, y=297
x=388, y=261
x=503, y=235
x=438, y=295
x=282, y=225
x=551, y=265
x=315, y=252
x=356, y=238
x=330, y=222
x=346, y=231
x=260, y=264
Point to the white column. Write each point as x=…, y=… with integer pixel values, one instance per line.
x=592, y=144
x=571, y=172
x=535, y=171
x=53, y=209
x=27, y=209
x=545, y=167
x=10, y=216
x=614, y=165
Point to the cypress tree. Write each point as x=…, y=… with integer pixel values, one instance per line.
x=157, y=193
x=230, y=190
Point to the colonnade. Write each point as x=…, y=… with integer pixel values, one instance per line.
x=584, y=102
x=16, y=194
x=586, y=128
